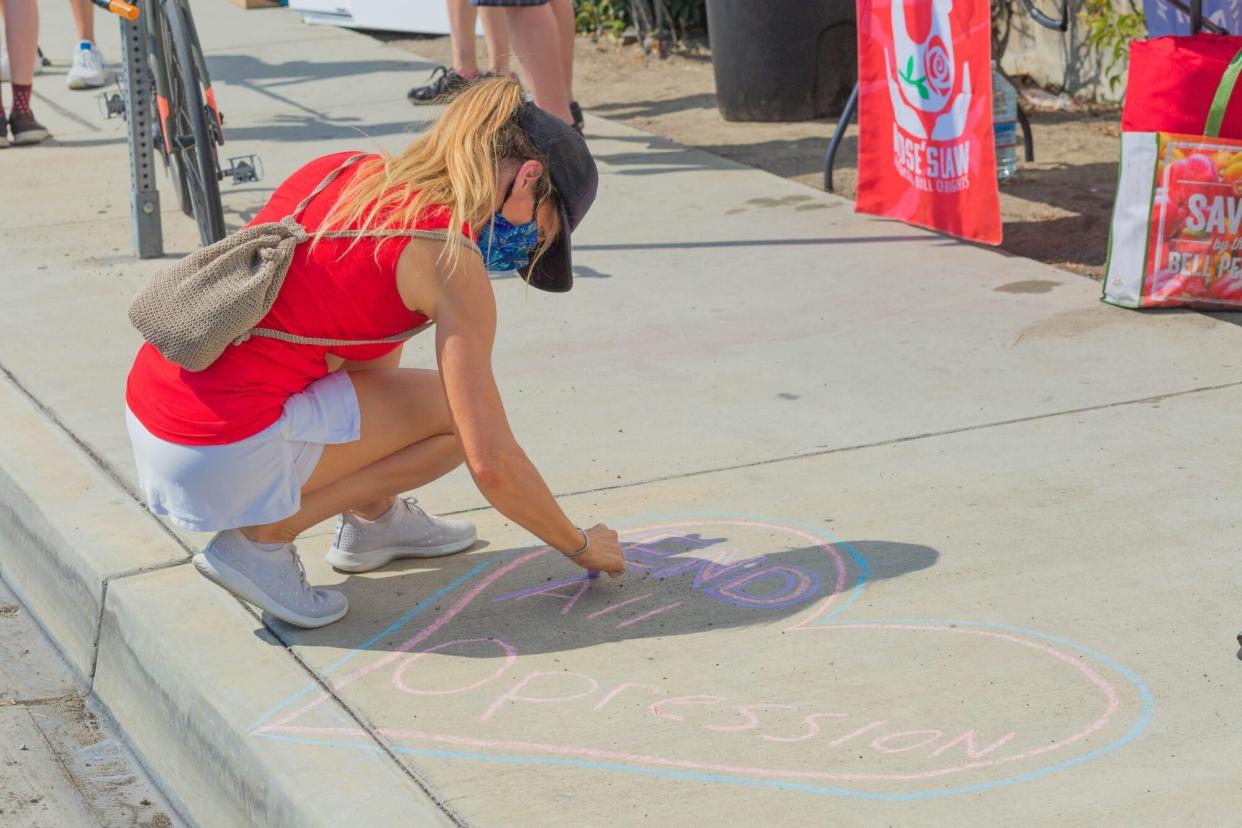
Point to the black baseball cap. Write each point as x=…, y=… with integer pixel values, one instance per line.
x=575, y=179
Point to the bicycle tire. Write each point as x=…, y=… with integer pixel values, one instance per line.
x=181, y=187
x=159, y=44
x=195, y=151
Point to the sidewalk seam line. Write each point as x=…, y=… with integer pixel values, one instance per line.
x=99, y=622
x=880, y=444
x=17, y=231
x=145, y=570
x=416, y=778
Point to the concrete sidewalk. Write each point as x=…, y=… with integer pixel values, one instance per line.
x=921, y=534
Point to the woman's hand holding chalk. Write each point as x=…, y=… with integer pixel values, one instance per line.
x=602, y=552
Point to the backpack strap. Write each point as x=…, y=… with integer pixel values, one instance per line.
x=452, y=238
x=441, y=235
x=323, y=185
x=272, y=333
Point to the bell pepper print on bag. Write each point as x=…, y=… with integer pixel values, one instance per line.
x=1195, y=247
x=1176, y=237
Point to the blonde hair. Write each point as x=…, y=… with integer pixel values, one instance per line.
x=454, y=166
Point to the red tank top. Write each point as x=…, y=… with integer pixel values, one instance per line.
x=329, y=293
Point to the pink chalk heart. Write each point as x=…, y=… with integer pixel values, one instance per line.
x=738, y=650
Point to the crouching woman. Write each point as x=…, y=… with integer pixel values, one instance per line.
x=312, y=415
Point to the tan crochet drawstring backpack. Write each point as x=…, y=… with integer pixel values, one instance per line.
x=215, y=296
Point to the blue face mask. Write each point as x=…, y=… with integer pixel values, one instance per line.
x=507, y=246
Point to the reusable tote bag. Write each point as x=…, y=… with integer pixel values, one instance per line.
x=1176, y=237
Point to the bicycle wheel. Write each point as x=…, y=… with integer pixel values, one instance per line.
x=181, y=187
x=192, y=142
x=160, y=44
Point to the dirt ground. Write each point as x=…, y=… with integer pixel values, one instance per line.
x=61, y=766
x=1056, y=210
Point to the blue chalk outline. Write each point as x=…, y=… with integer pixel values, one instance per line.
x=864, y=573
x=389, y=630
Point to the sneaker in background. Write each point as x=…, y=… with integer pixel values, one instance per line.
x=4, y=62
x=87, y=71
x=4, y=130
x=26, y=130
x=443, y=84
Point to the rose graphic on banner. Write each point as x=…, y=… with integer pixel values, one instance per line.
x=941, y=169
x=938, y=64
x=929, y=91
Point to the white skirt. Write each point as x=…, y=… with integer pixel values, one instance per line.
x=254, y=481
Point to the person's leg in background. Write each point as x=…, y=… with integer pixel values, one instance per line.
x=535, y=39
x=21, y=32
x=461, y=35
x=446, y=80
x=496, y=35
x=87, y=71
x=566, y=26
x=4, y=54
x=465, y=50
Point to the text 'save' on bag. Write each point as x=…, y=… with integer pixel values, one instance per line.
x=1176, y=236
x=216, y=296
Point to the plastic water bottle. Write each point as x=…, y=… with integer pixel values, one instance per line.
x=1004, y=124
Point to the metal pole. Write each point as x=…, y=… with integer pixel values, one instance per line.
x=1196, y=16
x=144, y=198
x=843, y=124
x=1028, y=139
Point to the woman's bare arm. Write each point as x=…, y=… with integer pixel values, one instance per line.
x=461, y=301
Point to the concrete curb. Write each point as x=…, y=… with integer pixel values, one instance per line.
x=182, y=667
x=66, y=528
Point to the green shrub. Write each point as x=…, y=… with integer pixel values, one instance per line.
x=658, y=19
x=1110, y=30
x=599, y=17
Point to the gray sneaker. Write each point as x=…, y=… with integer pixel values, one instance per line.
x=405, y=532
x=272, y=581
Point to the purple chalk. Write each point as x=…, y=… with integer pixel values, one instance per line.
x=591, y=573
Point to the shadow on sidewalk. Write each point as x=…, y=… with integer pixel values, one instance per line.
x=538, y=603
x=245, y=70
x=291, y=128
x=270, y=79
x=650, y=109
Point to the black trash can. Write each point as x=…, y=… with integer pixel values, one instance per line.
x=782, y=60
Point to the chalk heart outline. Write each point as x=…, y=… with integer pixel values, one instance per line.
x=821, y=618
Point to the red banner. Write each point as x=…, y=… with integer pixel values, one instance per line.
x=925, y=146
